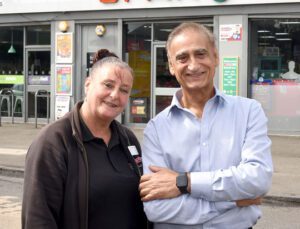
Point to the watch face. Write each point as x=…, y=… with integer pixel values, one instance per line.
x=182, y=182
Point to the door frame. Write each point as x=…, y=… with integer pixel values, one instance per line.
x=158, y=91
x=31, y=88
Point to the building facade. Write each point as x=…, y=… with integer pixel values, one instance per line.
x=46, y=49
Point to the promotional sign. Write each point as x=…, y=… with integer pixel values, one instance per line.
x=62, y=106
x=36, y=6
x=231, y=32
x=63, y=80
x=11, y=79
x=63, y=48
x=230, y=71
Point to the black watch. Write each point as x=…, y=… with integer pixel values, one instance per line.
x=182, y=182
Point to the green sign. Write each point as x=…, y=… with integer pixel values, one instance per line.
x=220, y=0
x=11, y=79
x=230, y=75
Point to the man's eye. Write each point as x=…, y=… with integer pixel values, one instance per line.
x=181, y=58
x=200, y=54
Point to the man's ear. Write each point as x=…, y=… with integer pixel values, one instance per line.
x=171, y=69
x=216, y=56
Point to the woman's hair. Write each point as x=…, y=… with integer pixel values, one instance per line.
x=104, y=56
x=201, y=29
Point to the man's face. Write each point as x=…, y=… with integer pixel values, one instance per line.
x=193, y=60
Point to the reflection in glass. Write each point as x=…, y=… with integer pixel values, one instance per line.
x=38, y=63
x=163, y=76
x=11, y=67
x=275, y=55
x=162, y=102
x=138, y=55
x=38, y=35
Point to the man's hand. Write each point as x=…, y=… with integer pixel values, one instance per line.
x=161, y=184
x=248, y=202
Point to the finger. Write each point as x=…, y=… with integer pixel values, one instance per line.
x=145, y=178
x=155, y=169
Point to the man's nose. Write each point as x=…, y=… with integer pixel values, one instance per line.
x=193, y=64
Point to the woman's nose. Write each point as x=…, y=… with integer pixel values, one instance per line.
x=114, y=93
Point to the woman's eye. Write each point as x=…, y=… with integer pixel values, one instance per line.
x=125, y=91
x=108, y=85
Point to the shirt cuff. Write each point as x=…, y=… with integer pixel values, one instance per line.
x=201, y=184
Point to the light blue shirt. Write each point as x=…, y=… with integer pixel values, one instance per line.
x=228, y=154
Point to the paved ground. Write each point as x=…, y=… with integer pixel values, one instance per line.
x=15, y=139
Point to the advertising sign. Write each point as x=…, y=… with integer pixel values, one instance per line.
x=230, y=71
x=62, y=106
x=63, y=80
x=231, y=32
x=63, y=48
x=11, y=79
x=36, y=6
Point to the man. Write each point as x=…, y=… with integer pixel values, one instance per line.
x=207, y=156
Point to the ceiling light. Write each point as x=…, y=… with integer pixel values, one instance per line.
x=263, y=31
x=12, y=49
x=265, y=44
x=166, y=30
x=278, y=34
x=267, y=37
x=290, y=22
x=283, y=39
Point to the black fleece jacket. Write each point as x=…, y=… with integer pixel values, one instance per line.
x=56, y=175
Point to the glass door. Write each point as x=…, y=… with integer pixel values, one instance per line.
x=38, y=83
x=165, y=84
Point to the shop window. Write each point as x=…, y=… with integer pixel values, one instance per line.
x=275, y=71
x=11, y=71
x=38, y=35
x=138, y=54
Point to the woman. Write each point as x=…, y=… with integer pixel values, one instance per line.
x=80, y=171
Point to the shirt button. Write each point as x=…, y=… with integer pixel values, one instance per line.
x=204, y=143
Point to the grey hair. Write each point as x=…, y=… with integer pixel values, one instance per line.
x=113, y=61
x=190, y=26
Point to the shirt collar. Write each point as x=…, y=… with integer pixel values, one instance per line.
x=219, y=96
x=88, y=136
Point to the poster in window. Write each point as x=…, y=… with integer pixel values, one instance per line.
x=64, y=48
x=62, y=106
x=231, y=32
x=63, y=80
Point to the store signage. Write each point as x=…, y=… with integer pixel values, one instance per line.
x=230, y=71
x=231, y=32
x=11, y=79
x=62, y=106
x=111, y=1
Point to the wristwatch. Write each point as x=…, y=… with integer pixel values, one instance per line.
x=182, y=182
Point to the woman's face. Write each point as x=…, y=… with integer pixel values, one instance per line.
x=107, y=91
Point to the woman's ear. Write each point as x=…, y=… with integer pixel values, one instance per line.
x=87, y=84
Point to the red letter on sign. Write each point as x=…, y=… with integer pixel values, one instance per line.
x=108, y=1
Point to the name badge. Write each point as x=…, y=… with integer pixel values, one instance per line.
x=133, y=150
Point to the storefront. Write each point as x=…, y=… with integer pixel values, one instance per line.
x=46, y=50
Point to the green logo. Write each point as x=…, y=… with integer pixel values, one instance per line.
x=220, y=0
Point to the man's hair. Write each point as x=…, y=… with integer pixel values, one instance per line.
x=104, y=56
x=190, y=26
